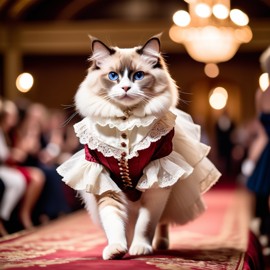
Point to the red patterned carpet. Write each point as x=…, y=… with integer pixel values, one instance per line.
x=219, y=240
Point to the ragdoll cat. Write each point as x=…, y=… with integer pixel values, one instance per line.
x=142, y=166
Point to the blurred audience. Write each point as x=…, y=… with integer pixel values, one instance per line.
x=12, y=182
x=15, y=149
x=224, y=129
x=33, y=141
x=256, y=141
x=259, y=180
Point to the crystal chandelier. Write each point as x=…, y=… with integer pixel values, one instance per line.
x=210, y=32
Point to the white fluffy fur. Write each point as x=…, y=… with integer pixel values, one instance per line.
x=129, y=226
x=94, y=100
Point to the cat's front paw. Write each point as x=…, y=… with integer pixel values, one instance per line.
x=114, y=251
x=140, y=249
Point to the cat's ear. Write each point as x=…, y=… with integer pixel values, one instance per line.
x=100, y=51
x=151, y=50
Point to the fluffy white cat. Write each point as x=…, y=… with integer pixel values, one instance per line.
x=143, y=165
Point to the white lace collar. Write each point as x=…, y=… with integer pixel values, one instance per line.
x=154, y=129
x=125, y=123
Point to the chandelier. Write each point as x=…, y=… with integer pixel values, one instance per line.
x=210, y=32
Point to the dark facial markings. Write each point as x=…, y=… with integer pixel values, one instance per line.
x=157, y=65
x=109, y=49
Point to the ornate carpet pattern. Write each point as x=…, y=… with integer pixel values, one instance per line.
x=219, y=239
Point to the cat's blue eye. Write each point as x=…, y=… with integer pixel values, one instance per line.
x=139, y=75
x=113, y=76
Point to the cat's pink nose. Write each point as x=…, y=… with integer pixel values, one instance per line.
x=126, y=88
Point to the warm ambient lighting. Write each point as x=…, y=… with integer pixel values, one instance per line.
x=213, y=33
x=181, y=18
x=239, y=17
x=203, y=10
x=24, y=82
x=264, y=81
x=218, y=98
x=220, y=11
x=211, y=70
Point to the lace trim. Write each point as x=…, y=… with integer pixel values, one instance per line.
x=167, y=180
x=128, y=124
x=160, y=128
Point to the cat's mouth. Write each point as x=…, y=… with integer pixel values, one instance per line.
x=126, y=96
x=127, y=99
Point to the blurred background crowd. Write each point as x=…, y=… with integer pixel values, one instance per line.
x=33, y=141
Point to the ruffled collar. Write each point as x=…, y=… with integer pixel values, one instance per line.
x=154, y=128
x=125, y=122
x=132, y=117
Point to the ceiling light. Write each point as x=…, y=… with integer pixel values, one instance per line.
x=181, y=18
x=212, y=38
x=220, y=11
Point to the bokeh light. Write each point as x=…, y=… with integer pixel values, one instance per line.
x=181, y=18
x=211, y=70
x=24, y=82
x=220, y=11
x=264, y=81
x=203, y=10
x=218, y=98
x=239, y=17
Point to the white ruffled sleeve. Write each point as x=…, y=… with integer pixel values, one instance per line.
x=164, y=172
x=80, y=174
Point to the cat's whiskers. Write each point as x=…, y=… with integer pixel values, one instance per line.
x=68, y=106
x=67, y=121
x=74, y=113
x=184, y=101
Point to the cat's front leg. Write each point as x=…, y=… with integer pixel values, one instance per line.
x=113, y=216
x=153, y=202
